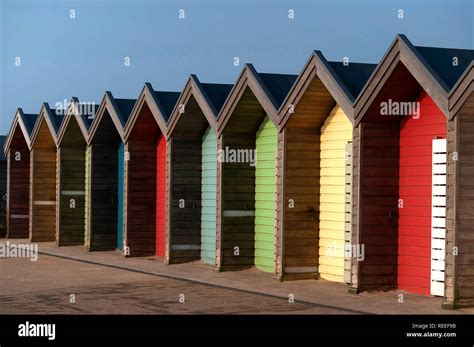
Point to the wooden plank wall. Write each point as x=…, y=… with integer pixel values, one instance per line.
x=43, y=187
x=299, y=185
x=71, y=186
x=185, y=169
x=3, y=191
x=103, y=187
x=238, y=194
x=265, y=196
x=379, y=191
x=18, y=185
x=140, y=197
x=236, y=190
x=161, y=151
x=208, y=197
x=71, y=179
x=336, y=132
x=186, y=189
x=140, y=181
x=459, y=280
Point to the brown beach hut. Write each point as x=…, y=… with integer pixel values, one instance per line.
x=43, y=174
x=71, y=173
x=17, y=151
x=459, y=275
x=105, y=173
x=192, y=172
x=314, y=177
x=145, y=172
x=246, y=171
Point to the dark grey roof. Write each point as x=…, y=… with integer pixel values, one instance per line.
x=86, y=118
x=57, y=119
x=278, y=85
x=168, y=101
x=217, y=93
x=441, y=61
x=125, y=107
x=2, y=143
x=354, y=75
x=29, y=120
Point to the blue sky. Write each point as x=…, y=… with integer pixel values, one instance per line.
x=63, y=57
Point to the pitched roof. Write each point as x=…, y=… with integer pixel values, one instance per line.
x=431, y=67
x=217, y=93
x=125, y=106
x=27, y=124
x=353, y=76
x=29, y=120
x=270, y=89
x=168, y=101
x=441, y=61
x=82, y=113
x=278, y=85
x=57, y=117
x=210, y=98
x=342, y=82
x=86, y=118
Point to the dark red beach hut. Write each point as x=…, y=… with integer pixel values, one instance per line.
x=145, y=172
x=17, y=151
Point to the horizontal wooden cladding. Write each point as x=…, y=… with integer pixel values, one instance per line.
x=400, y=86
x=161, y=157
x=415, y=181
x=464, y=280
x=185, y=204
x=192, y=123
x=247, y=115
x=43, y=187
x=378, y=209
x=18, y=187
x=43, y=202
x=336, y=133
x=103, y=184
x=71, y=195
x=73, y=136
x=301, y=182
x=140, y=197
x=313, y=107
x=301, y=234
x=238, y=194
x=145, y=127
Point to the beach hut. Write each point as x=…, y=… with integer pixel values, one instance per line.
x=459, y=275
x=43, y=174
x=3, y=189
x=71, y=173
x=315, y=136
x=192, y=172
x=145, y=172
x=401, y=149
x=105, y=173
x=246, y=170
x=17, y=151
